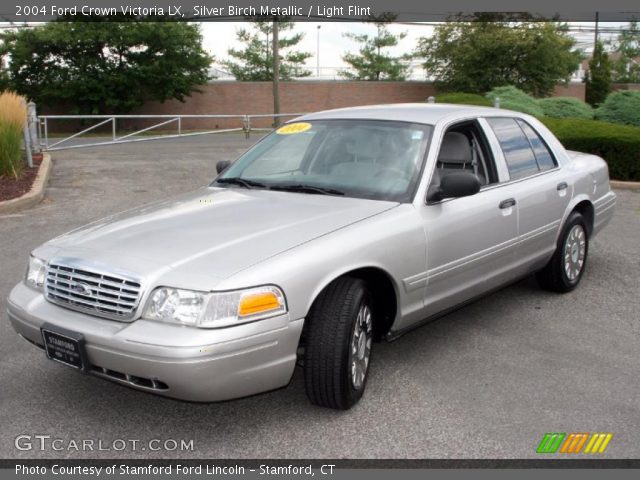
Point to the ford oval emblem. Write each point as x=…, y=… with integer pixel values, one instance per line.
x=82, y=288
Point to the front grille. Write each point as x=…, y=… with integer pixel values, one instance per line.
x=100, y=294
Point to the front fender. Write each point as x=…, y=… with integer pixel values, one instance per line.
x=393, y=242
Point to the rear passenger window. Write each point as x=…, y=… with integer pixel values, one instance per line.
x=521, y=161
x=543, y=155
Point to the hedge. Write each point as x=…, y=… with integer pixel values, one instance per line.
x=619, y=145
x=621, y=107
x=566, y=107
x=464, y=99
x=513, y=98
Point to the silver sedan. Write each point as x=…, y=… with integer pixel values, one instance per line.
x=338, y=229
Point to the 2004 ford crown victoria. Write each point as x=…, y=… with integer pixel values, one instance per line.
x=337, y=229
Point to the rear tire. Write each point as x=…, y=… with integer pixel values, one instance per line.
x=564, y=271
x=338, y=339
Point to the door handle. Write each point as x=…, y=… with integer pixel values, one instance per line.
x=509, y=202
x=562, y=186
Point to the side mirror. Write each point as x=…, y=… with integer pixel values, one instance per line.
x=454, y=185
x=222, y=165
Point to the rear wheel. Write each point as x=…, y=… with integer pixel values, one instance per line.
x=564, y=270
x=338, y=341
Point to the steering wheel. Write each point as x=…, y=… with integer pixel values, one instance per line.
x=395, y=170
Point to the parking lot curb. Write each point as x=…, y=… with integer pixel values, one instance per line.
x=33, y=196
x=635, y=186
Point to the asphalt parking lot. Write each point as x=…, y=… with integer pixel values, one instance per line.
x=486, y=381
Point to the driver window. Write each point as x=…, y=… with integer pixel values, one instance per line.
x=464, y=148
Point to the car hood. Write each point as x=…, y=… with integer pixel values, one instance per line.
x=211, y=233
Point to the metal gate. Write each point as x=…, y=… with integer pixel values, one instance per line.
x=44, y=122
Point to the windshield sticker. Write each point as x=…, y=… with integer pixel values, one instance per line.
x=294, y=128
x=416, y=135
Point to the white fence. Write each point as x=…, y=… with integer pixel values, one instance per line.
x=42, y=140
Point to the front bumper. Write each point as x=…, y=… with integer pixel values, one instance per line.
x=187, y=363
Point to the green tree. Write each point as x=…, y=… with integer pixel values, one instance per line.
x=372, y=62
x=106, y=65
x=4, y=73
x=254, y=62
x=598, y=77
x=4, y=80
x=492, y=50
x=626, y=67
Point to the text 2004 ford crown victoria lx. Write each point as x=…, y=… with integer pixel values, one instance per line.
x=337, y=229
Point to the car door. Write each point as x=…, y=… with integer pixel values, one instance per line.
x=542, y=194
x=471, y=241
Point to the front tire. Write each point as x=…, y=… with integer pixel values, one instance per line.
x=564, y=271
x=338, y=340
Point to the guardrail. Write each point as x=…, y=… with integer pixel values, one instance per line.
x=44, y=121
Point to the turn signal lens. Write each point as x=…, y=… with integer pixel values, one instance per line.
x=253, y=303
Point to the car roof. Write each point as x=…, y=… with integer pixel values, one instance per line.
x=427, y=113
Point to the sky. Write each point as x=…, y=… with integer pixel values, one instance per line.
x=220, y=36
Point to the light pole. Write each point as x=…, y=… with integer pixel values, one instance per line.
x=267, y=51
x=276, y=73
x=318, y=54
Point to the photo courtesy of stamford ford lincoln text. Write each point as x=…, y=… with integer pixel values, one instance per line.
x=354, y=239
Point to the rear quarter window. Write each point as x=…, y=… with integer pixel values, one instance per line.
x=543, y=154
x=520, y=158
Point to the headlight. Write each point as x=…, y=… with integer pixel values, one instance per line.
x=214, y=309
x=36, y=272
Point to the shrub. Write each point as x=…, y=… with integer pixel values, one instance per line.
x=566, y=107
x=619, y=145
x=13, y=114
x=513, y=98
x=621, y=107
x=464, y=99
x=598, y=77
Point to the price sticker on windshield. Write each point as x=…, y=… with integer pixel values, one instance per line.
x=293, y=128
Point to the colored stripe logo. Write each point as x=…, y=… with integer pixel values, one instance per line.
x=574, y=443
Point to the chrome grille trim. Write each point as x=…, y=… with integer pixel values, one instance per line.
x=99, y=292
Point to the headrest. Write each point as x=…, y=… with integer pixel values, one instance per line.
x=362, y=143
x=455, y=149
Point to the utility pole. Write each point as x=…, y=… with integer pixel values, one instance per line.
x=595, y=41
x=276, y=74
x=318, y=54
x=267, y=52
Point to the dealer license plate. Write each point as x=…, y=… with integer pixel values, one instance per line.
x=64, y=346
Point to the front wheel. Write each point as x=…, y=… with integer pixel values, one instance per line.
x=338, y=341
x=564, y=270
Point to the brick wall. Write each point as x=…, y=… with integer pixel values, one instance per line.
x=240, y=98
x=232, y=98
x=626, y=86
x=576, y=90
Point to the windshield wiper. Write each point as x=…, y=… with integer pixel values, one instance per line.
x=304, y=188
x=243, y=182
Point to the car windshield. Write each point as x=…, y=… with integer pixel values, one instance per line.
x=379, y=160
